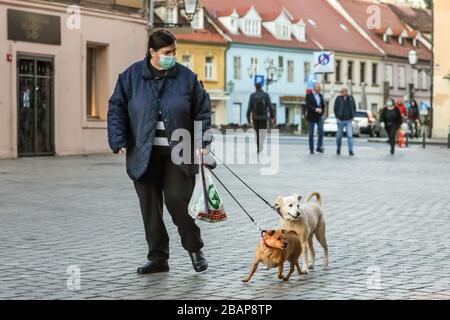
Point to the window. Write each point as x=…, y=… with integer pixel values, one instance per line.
x=415, y=77
x=400, y=40
x=252, y=27
x=350, y=70
x=374, y=107
x=254, y=63
x=389, y=75
x=280, y=62
x=171, y=15
x=423, y=80
x=338, y=71
x=307, y=70
x=401, y=77
x=283, y=31
x=363, y=72
x=237, y=67
x=197, y=20
x=290, y=71
x=95, y=86
x=186, y=61
x=237, y=111
x=374, y=73
x=209, y=68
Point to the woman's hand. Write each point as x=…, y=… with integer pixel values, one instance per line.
x=121, y=151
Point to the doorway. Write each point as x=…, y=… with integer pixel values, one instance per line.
x=35, y=125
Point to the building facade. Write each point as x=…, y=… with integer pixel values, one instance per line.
x=61, y=66
x=386, y=31
x=441, y=100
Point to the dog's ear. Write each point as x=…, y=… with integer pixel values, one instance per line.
x=283, y=231
x=278, y=201
x=299, y=197
x=271, y=232
x=264, y=234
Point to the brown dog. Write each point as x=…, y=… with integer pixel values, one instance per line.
x=276, y=247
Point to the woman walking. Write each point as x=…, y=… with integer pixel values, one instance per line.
x=392, y=118
x=154, y=98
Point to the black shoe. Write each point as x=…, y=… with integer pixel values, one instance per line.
x=351, y=154
x=153, y=267
x=392, y=151
x=338, y=152
x=311, y=151
x=322, y=150
x=198, y=261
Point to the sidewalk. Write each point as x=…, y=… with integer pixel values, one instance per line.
x=419, y=141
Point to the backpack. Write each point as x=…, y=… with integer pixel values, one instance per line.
x=259, y=105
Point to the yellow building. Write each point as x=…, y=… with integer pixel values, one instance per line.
x=441, y=93
x=201, y=54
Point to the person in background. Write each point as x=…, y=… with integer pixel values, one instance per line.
x=344, y=110
x=391, y=119
x=400, y=105
x=259, y=109
x=414, y=117
x=315, y=105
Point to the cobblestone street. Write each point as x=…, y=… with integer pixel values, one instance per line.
x=388, y=223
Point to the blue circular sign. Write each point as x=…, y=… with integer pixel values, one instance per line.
x=324, y=59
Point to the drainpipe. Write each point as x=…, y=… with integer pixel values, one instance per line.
x=150, y=9
x=432, y=73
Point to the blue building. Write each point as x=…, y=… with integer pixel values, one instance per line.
x=288, y=67
x=265, y=40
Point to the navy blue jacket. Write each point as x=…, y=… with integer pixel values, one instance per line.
x=134, y=108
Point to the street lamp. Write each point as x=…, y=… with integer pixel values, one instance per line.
x=190, y=7
x=230, y=87
x=273, y=74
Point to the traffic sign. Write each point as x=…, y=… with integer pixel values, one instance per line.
x=324, y=62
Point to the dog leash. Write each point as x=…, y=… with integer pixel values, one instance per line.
x=258, y=226
x=250, y=188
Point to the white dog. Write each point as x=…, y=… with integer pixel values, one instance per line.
x=305, y=218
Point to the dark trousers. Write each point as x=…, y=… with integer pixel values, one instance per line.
x=391, y=130
x=165, y=178
x=260, y=137
x=311, y=125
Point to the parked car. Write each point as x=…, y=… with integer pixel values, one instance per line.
x=330, y=127
x=368, y=123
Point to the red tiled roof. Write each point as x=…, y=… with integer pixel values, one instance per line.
x=419, y=19
x=203, y=36
x=269, y=10
x=357, y=9
x=328, y=32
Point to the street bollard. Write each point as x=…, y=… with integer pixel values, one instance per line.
x=424, y=141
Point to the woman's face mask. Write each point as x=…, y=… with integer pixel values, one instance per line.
x=167, y=62
x=389, y=104
x=166, y=57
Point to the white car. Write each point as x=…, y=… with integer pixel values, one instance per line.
x=330, y=126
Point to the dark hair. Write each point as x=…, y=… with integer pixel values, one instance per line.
x=160, y=38
x=258, y=86
x=415, y=103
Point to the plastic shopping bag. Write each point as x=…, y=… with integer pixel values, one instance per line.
x=211, y=210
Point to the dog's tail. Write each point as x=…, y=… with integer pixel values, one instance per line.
x=314, y=194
